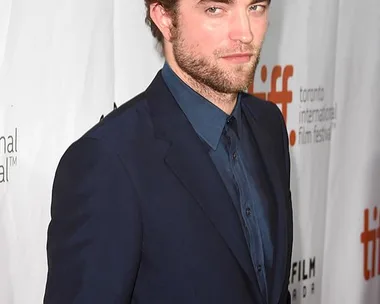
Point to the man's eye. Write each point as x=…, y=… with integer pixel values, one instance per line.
x=213, y=10
x=258, y=8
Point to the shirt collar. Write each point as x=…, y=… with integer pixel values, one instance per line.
x=206, y=118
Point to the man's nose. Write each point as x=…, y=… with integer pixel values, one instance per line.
x=240, y=27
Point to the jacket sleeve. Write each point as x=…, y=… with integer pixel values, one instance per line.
x=287, y=162
x=94, y=237
x=288, y=298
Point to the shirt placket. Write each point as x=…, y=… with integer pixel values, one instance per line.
x=247, y=210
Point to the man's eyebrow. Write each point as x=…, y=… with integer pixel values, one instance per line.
x=200, y=2
x=215, y=1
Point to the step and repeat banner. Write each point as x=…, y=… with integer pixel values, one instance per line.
x=65, y=64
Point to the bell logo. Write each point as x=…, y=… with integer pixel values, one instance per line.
x=281, y=97
x=370, y=238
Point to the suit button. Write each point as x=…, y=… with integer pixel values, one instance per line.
x=248, y=211
x=259, y=268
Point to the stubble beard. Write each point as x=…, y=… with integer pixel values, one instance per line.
x=206, y=74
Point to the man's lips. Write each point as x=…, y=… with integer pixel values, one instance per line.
x=238, y=57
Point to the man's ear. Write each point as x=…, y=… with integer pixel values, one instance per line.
x=161, y=19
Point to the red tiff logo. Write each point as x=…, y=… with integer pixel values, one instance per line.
x=370, y=239
x=281, y=97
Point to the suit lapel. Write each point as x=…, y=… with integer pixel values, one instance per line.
x=189, y=160
x=266, y=147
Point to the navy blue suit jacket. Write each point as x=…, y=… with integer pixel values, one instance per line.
x=141, y=215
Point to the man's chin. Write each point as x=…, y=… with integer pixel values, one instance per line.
x=235, y=88
x=241, y=82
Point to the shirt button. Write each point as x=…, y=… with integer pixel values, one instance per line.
x=230, y=120
x=234, y=155
x=248, y=211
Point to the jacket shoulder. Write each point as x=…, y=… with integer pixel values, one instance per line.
x=121, y=128
x=126, y=117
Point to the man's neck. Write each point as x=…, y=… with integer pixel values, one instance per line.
x=224, y=101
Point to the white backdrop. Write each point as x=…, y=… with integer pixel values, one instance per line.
x=63, y=64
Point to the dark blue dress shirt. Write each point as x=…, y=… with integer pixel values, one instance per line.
x=237, y=159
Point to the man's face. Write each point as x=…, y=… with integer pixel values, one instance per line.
x=218, y=43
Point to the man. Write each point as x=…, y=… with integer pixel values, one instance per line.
x=182, y=194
